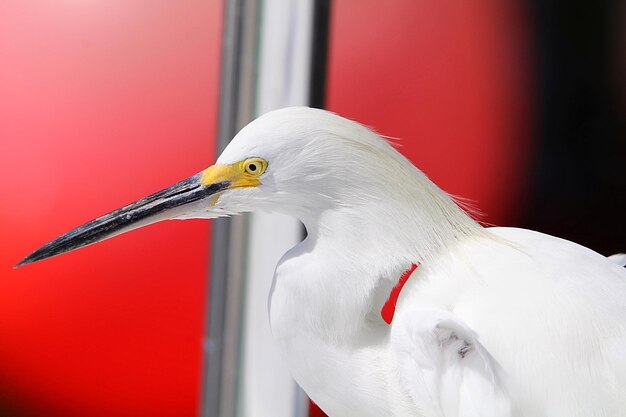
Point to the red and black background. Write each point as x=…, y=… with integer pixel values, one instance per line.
x=518, y=105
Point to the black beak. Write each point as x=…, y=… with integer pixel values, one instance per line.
x=148, y=210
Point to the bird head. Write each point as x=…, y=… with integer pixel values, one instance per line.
x=297, y=161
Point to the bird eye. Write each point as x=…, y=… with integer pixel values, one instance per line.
x=254, y=166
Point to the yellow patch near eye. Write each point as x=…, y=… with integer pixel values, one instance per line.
x=219, y=173
x=239, y=174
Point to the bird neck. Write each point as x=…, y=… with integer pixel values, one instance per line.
x=361, y=251
x=402, y=228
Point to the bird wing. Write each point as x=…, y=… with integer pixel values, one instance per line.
x=445, y=369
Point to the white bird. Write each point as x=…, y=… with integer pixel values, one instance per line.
x=494, y=322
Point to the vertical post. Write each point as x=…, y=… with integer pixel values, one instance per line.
x=267, y=388
x=222, y=333
x=271, y=58
x=319, y=53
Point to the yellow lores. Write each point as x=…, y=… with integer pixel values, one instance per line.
x=244, y=173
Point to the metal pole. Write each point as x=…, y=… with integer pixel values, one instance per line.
x=292, y=71
x=222, y=333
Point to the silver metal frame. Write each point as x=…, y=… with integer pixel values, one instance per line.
x=272, y=57
x=222, y=333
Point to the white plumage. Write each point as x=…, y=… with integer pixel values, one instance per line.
x=542, y=320
x=619, y=258
x=494, y=322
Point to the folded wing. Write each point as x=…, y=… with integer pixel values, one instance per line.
x=445, y=369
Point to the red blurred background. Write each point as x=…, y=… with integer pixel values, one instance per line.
x=450, y=80
x=102, y=103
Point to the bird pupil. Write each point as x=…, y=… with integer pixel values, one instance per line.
x=252, y=167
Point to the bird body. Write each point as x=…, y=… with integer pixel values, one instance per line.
x=550, y=313
x=494, y=322
x=544, y=308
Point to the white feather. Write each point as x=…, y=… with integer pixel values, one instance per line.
x=619, y=258
x=445, y=368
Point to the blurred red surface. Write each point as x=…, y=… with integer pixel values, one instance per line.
x=101, y=103
x=450, y=81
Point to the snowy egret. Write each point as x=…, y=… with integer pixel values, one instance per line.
x=493, y=322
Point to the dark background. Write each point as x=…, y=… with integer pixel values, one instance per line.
x=578, y=187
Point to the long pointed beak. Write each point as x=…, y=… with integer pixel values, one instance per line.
x=156, y=207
